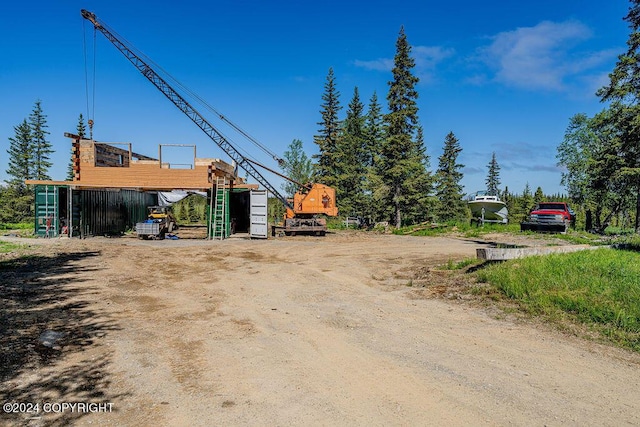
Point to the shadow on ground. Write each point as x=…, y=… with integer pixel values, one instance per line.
x=49, y=336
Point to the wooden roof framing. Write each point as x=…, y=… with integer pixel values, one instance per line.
x=107, y=165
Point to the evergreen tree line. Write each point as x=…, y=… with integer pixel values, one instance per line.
x=191, y=210
x=601, y=154
x=28, y=158
x=378, y=162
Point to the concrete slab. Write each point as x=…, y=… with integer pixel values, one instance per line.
x=501, y=254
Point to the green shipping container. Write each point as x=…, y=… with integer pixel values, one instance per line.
x=48, y=216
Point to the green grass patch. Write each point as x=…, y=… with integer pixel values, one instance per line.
x=619, y=231
x=464, y=227
x=600, y=289
x=6, y=247
x=582, y=238
x=459, y=265
x=629, y=242
x=16, y=225
x=469, y=230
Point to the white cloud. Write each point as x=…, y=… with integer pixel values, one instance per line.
x=426, y=59
x=382, y=64
x=509, y=152
x=543, y=56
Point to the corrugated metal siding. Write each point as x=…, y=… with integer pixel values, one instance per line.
x=104, y=212
x=93, y=212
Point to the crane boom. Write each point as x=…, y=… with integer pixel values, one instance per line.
x=185, y=107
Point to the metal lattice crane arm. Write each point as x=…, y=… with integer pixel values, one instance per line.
x=185, y=107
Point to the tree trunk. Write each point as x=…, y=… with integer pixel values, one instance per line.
x=637, y=223
x=398, y=210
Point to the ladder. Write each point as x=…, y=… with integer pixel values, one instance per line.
x=220, y=214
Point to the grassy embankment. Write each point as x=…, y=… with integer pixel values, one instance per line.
x=599, y=289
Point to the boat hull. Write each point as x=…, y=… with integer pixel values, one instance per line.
x=489, y=211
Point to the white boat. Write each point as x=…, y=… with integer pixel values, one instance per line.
x=487, y=208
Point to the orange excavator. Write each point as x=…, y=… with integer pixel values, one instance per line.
x=303, y=213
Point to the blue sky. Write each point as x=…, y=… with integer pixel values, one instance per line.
x=503, y=76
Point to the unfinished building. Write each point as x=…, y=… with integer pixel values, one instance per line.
x=112, y=187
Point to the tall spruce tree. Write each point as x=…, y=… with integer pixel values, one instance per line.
x=623, y=91
x=81, y=130
x=493, y=176
x=538, y=196
x=374, y=130
x=326, y=160
x=448, y=176
x=526, y=202
x=20, y=154
x=352, y=159
x=402, y=162
x=297, y=166
x=507, y=198
x=42, y=148
x=374, y=193
x=420, y=199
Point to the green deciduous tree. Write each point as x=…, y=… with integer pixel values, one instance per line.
x=623, y=91
x=577, y=154
x=574, y=154
x=448, y=187
x=297, y=166
x=594, y=167
x=326, y=160
x=611, y=176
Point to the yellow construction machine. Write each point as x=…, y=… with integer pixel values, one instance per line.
x=160, y=221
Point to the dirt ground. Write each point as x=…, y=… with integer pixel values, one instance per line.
x=350, y=329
